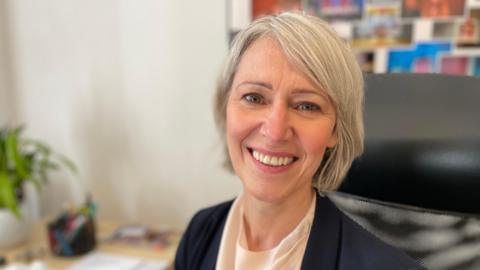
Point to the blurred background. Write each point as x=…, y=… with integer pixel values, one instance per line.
x=124, y=88
x=419, y=36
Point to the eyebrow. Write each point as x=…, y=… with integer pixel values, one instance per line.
x=261, y=84
x=295, y=91
x=307, y=91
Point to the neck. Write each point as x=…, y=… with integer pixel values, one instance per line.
x=266, y=223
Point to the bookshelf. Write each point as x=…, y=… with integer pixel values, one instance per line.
x=432, y=43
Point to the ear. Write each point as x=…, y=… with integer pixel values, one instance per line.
x=332, y=141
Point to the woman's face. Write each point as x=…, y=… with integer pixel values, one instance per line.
x=278, y=124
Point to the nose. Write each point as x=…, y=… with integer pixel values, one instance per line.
x=276, y=125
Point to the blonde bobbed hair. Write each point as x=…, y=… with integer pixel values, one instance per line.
x=313, y=47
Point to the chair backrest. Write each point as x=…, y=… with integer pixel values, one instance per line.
x=422, y=142
x=417, y=185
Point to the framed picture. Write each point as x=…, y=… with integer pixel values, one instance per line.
x=400, y=61
x=267, y=7
x=336, y=9
x=241, y=13
x=421, y=59
x=468, y=33
x=454, y=64
x=433, y=8
x=444, y=30
x=381, y=27
x=476, y=66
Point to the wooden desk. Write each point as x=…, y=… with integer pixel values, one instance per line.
x=38, y=241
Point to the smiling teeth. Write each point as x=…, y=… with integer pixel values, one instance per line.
x=271, y=160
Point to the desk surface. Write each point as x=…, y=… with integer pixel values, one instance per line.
x=38, y=241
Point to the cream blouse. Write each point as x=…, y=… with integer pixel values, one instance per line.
x=288, y=254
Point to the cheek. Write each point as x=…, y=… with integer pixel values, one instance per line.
x=316, y=141
x=234, y=128
x=235, y=134
x=240, y=124
x=238, y=129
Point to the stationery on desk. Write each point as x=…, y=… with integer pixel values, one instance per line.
x=109, y=246
x=143, y=236
x=115, y=252
x=73, y=232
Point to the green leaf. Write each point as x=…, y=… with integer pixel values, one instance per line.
x=39, y=147
x=7, y=195
x=15, y=179
x=13, y=154
x=3, y=155
x=24, y=159
x=67, y=163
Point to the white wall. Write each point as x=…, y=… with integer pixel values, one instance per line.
x=125, y=89
x=5, y=82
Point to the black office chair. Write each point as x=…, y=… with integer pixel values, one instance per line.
x=417, y=185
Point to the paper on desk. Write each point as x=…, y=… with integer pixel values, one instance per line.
x=107, y=261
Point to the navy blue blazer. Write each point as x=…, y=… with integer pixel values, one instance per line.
x=335, y=242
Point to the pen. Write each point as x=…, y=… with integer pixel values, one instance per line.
x=67, y=250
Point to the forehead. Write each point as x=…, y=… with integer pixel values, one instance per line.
x=264, y=46
x=264, y=51
x=265, y=59
x=266, y=62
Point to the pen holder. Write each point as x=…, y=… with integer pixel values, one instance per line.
x=72, y=235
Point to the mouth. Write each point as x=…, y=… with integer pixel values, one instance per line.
x=271, y=159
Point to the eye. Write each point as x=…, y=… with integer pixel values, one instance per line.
x=253, y=98
x=310, y=107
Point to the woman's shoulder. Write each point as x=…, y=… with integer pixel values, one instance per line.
x=200, y=242
x=211, y=216
x=213, y=213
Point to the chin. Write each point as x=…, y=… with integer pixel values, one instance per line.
x=265, y=193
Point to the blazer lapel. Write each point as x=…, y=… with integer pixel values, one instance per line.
x=210, y=260
x=323, y=246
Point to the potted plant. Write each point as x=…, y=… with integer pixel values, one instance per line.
x=22, y=161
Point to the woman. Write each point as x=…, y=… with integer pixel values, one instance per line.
x=289, y=102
